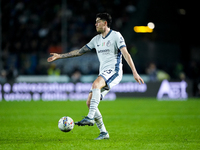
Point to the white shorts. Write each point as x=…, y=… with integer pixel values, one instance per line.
x=111, y=78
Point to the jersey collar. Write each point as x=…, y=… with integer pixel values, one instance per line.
x=107, y=34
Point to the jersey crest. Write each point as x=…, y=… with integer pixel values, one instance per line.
x=108, y=43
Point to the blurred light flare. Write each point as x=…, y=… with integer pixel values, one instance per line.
x=142, y=29
x=145, y=29
x=151, y=25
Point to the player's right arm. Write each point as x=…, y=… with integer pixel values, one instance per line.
x=73, y=53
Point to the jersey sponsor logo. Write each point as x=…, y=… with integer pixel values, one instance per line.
x=105, y=51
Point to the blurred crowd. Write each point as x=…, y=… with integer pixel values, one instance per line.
x=31, y=29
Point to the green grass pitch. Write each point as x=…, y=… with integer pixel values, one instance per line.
x=143, y=124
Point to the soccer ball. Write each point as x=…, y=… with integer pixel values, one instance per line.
x=66, y=124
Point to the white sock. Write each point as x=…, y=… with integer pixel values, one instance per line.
x=99, y=121
x=94, y=102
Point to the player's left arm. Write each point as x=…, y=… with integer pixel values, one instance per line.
x=129, y=60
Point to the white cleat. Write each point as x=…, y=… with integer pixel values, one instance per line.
x=103, y=135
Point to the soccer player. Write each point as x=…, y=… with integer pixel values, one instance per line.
x=110, y=46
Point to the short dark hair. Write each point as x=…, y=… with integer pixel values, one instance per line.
x=105, y=16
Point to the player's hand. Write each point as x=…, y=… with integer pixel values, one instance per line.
x=138, y=78
x=54, y=57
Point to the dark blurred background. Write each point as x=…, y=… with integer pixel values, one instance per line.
x=31, y=29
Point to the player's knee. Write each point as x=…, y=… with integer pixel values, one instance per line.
x=95, y=85
x=99, y=83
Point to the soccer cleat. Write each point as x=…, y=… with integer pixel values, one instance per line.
x=85, y=121
x=103, y=135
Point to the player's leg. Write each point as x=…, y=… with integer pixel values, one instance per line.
x=97, y=85
x=86, y=120
x=97, y=117
x=94, y=102
x=99, y=120
x=107, y=79
x=112, y=81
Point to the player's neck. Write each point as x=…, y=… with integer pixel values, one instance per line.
x=107, y=30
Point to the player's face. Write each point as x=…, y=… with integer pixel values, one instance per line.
x=100, y=25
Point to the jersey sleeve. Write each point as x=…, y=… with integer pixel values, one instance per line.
x=120, y=41
x=91, y=44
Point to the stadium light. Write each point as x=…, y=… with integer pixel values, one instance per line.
x=142, y=29
x=151, y=25
x=145, y=29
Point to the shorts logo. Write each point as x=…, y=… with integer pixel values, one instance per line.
x=108, y=43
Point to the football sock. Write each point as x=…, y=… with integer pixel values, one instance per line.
x=99, y=121
x=94, y=102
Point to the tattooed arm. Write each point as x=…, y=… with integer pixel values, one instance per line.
x=74, y=53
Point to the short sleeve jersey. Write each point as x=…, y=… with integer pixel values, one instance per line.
x=108, y=50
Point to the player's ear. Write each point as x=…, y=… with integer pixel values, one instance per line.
x=106, y=23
